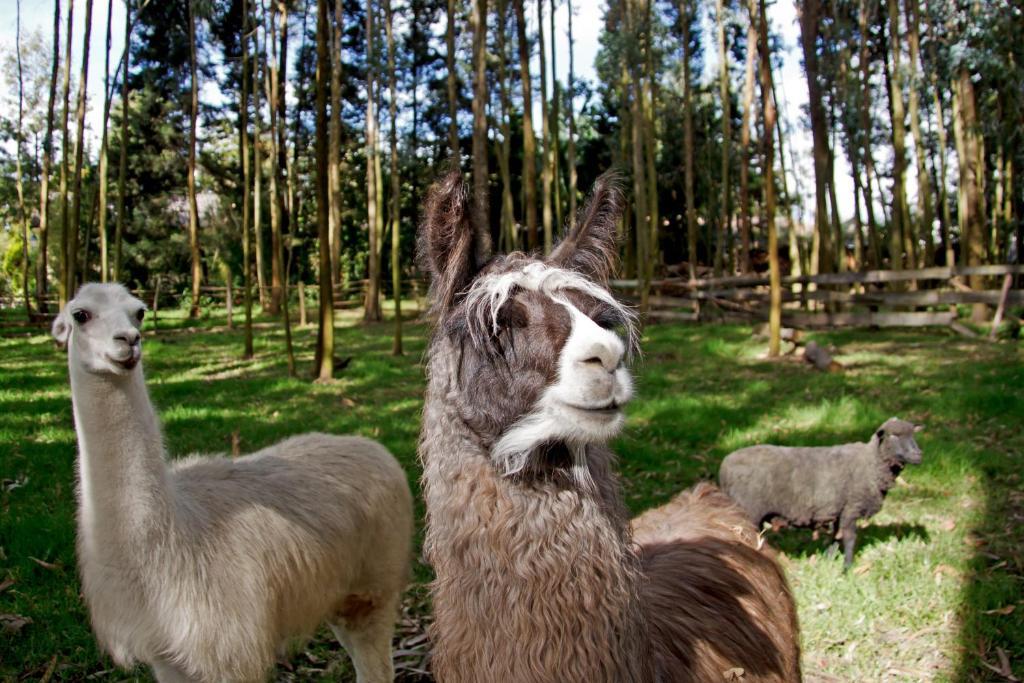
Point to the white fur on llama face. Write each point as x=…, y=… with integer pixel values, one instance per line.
x=100, y=327
x=584, y=405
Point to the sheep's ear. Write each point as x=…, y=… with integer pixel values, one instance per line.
x=448, y=246
x=61, y=329
x=590, y=247
x=918, y=428
x=880, y=434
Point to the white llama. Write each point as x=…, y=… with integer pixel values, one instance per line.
x=207, y=568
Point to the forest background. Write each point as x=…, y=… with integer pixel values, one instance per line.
x=265, y=143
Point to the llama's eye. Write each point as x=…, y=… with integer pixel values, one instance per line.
x=512, y=314
x=140, y=314
x=81, y=316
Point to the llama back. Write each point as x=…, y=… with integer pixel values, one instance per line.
x=340, y=514
x=715, y=597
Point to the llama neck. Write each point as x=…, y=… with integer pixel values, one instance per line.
x=122, y=474
x=536, y=581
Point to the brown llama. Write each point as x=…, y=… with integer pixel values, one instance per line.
x=540, y=577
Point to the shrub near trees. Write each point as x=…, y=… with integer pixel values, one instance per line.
x=216, y=107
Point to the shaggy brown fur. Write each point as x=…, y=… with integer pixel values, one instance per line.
x=538, y=578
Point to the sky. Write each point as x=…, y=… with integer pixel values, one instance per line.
x=587, y=26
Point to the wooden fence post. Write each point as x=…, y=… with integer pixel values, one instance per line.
x=302, y=304
x=1001, y=308
x=156, y=303
x=229, y=301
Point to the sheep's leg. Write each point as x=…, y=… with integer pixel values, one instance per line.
x=368, y=642
x=849, y=529
x=165, y=672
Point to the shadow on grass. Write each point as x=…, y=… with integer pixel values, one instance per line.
x=802, y=543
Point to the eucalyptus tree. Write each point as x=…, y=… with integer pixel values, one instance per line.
x=42, y=270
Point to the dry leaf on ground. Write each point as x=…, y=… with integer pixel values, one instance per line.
x=12, y=623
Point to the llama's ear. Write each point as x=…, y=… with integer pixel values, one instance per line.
x=61, y=329
x=448, y=247
x=591, y=247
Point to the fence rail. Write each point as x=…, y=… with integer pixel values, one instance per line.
x=851, y=299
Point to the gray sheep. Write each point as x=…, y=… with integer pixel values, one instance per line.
x=815, y=486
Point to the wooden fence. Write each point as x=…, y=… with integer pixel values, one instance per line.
x=882, y=298
x=874, y=298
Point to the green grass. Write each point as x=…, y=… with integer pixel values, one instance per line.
x=935, y=573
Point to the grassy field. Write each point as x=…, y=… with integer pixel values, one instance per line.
x=937, y=589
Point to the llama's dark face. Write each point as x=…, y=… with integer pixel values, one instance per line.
x=540, y=343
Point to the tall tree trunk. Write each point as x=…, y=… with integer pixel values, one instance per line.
x=22, y=214
x=971, y=171
x=509, y=241
x=839, y=239
x=810, y=16
x=453, y=101
x=622, y=159
x=748, y=105
x=688, y=146
x=334, y=152
x=371, y=310
x=122, y=164
x=924, y=187
x=271, y=75
x=76, y=210
x=243, y=155
x=650, y=173
x=325, y=332
x=725, y=96
x=944, y=213
x=259, y=68
x=547, y=217
x=768, y=106
x=90, y=222
x=901, y=228
x=44, y=179
x=570, y=113
x=396, y=186
x=103, y=163
x=529, y=144
x=193, y=205
x=796, y=256
x=864, y=21
x=64, y=286
x=481, y=191
x=634, y=91
x=279, y=126
x=556, y=182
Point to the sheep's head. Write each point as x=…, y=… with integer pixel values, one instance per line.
x=896, y=442
x=537, y=354
x=100, y=329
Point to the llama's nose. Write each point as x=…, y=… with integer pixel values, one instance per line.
x=603, y=354
x=130, y=337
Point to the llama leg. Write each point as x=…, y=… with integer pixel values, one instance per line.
x=165, y=672
x=368, y=642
